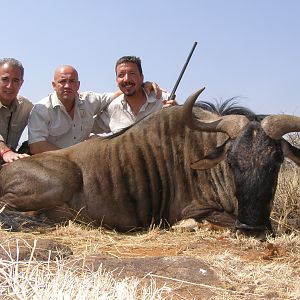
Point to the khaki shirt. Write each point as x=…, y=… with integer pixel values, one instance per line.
x=118, y=114
x=13, y=121
x=49, y=120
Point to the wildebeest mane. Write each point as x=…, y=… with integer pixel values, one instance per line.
x=228, y=107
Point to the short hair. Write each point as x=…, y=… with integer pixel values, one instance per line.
x=13, y=62
x=130, y=59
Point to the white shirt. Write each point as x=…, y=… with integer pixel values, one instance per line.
x=49, y=120
x=118, y=114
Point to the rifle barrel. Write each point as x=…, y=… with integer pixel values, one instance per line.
x=172, y=95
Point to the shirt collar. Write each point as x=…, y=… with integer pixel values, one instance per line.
x=57, y=103
x=12, y=107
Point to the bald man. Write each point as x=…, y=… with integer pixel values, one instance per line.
x=65, y=117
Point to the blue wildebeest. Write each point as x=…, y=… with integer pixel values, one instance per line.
x=181, y=163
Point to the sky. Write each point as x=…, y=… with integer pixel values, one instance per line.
x=248, y=49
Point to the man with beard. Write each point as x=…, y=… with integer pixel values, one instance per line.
x=134, y=104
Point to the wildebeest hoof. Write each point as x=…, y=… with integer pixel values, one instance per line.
x=186, y=225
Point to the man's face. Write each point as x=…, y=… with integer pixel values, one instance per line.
x=128, y=78
x=66, y=83
x=10, y=83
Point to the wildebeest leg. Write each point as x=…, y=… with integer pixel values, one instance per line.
x=191, y=215
x=57, y=214
x=74, y=210
x=39, y=183
x=222, y=218
x=195, y=212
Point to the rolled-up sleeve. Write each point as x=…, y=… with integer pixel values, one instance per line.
x=97, y=101
x=38, y=124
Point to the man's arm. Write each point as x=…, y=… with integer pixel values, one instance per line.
x=159, y=93
x=42, y=146
x=148, y=87
x=9, y=155
x=24, y=108
x=38, y=130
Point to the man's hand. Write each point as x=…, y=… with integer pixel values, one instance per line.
x=169, y=103
x=10, y=156
x=152, y=86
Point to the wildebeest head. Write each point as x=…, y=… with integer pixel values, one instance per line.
x=254, y=152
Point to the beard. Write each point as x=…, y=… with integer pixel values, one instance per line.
x=129, y=93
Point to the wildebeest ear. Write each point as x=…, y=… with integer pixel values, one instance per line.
x=290, y=151
x=212, y=159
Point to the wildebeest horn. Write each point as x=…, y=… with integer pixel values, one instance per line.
x=207, y=121
x=275, y=126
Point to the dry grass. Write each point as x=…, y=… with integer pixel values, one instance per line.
x=246, y=268
x=38, y=280
x=286, y=212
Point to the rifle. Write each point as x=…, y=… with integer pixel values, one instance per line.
x=172, y=95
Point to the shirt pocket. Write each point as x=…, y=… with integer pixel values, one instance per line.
x=87, y=122
x=56, y=131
